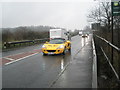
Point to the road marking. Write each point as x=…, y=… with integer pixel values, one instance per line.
x=3, y=61
x=35, y=51
x=21, y=53
x=20, y=59
x=8, y=58
x=58, y=76
x=13, y=55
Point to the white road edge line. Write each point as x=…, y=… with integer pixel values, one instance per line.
x=8, y=58
x=20, y=59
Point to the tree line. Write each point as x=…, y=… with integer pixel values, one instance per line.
x=25, y=33
x=28, y=33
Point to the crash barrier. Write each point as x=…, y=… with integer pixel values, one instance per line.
x=23, y=43
x=7, y=45
x=94, y=67
x=114, y=61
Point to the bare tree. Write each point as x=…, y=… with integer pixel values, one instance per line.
x=101, y=14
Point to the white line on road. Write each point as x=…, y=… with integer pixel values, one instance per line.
x=62, y=71
x=8, y=58
x=20, y=59
x=19, y=53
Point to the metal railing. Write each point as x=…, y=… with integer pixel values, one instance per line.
x=94, y=68
x=117, y=76
x=108, y=59
x=109, y=43
x=23, y=43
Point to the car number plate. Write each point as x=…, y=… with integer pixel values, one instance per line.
x=51, y=53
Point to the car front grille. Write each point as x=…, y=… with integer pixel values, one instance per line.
x=51, y=50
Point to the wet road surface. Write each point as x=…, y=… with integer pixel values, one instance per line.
x=39, y=71
x=78, y=74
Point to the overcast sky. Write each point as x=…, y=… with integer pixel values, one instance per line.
x=70, y=15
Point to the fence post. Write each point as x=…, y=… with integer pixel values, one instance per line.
x=7, y=45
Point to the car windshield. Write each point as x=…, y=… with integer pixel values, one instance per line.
x=56, y=41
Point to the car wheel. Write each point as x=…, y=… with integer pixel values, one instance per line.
x=44, y=54
x=69, y=49
x=64, y=52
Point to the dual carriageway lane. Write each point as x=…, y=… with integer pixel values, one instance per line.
x=39, y=71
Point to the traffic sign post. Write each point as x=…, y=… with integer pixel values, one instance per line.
x=115, y=7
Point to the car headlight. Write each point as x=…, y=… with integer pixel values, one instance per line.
x=61, y=46
x=43, y=46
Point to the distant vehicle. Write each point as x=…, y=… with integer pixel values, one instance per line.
x=84, y=35
x=58, y=33
x=80, y=33
x=58, y=43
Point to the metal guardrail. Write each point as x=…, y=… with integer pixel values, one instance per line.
x=13, y=44
x=115, y=47
x=108, y=60
x=117, y=76
x=94, y=68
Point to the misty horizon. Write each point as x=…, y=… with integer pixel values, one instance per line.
x=63, y=14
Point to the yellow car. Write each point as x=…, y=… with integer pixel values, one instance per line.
x=56, y=46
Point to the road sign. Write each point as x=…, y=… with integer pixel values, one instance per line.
x=115, y=8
